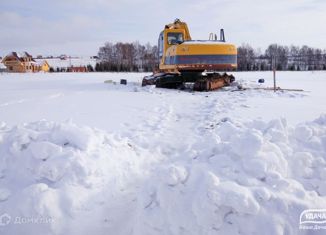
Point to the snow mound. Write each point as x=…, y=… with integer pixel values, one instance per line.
x=251, y=177
x=247, y=178
x=54, y=175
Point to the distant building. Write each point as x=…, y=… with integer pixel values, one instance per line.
x=63, y=57
x=23, y=62
x=42, y=66
x=79, y=69
x=19, y=63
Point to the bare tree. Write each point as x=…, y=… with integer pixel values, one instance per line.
x=246, y=58
x=127, y=57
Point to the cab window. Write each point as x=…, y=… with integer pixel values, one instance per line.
x=160, y=45
x=175, y=38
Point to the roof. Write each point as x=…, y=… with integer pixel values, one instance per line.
x=13, y=54
x=25, y=54
x=203, y=42
x=39, y=62
x=19, y=56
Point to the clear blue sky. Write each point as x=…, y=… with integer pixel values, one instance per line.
x=80, y=27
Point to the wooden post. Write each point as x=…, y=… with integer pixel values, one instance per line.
x=274, y=72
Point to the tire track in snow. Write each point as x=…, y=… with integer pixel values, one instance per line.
x=218, y=107
x=13, y=102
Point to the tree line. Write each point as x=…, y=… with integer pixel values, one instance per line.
x=135, y=57
x=292, y=58
x=127, y=57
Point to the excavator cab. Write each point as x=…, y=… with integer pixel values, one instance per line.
x=168, y=38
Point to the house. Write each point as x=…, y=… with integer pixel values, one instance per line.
x=18, y=62
x=42, y=66
x=23, y=62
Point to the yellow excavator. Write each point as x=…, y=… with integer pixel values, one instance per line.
x=183, y=60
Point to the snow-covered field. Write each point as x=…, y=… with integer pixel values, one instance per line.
x=80, y=156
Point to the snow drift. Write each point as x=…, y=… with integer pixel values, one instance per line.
x=245, y=178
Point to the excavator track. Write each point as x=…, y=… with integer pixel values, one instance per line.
x=213, y=81
x=202, y=82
